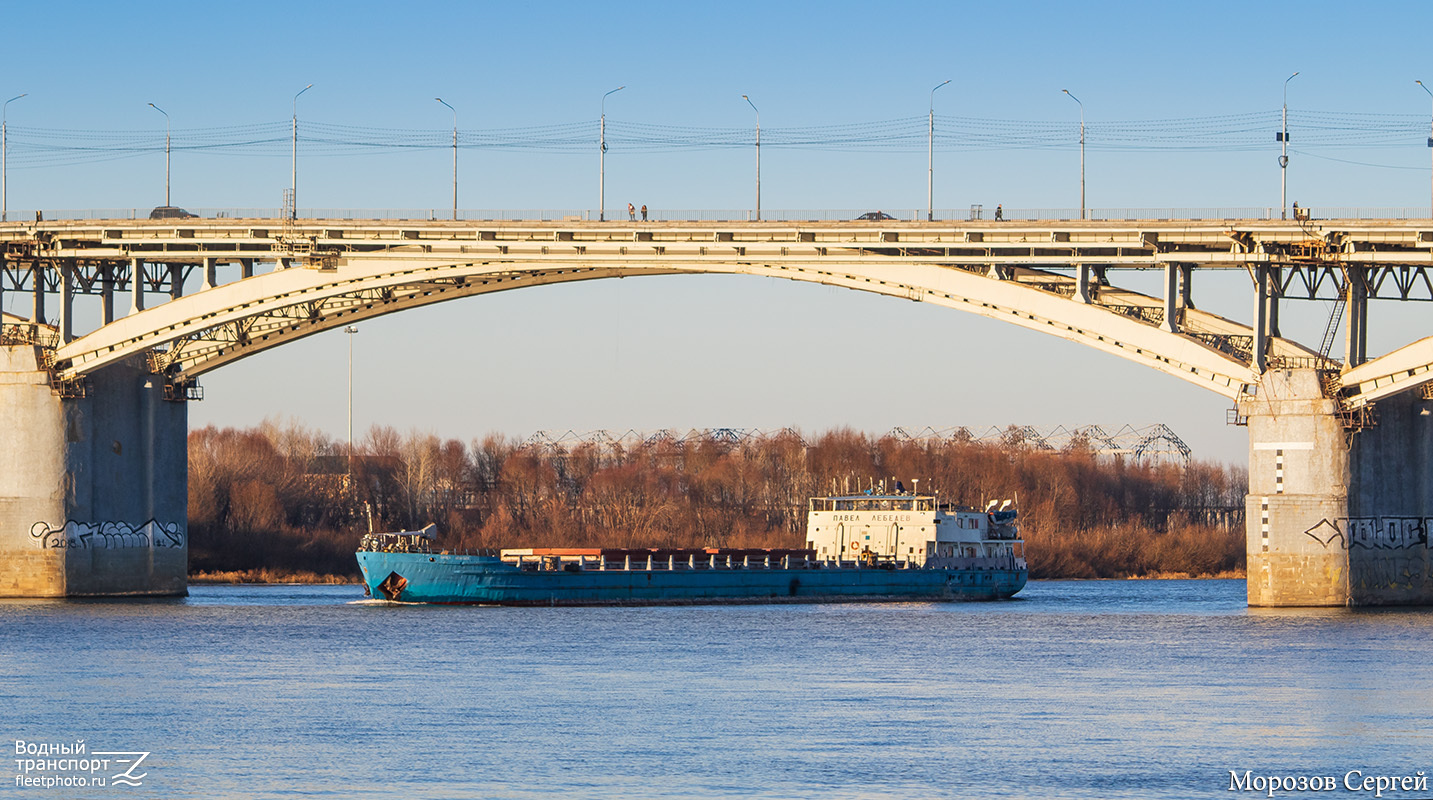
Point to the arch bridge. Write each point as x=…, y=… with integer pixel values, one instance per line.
x=180, y=297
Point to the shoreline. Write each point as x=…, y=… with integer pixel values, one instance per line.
x=259, y=577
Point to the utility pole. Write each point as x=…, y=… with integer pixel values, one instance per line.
x=930, y=161
x=4, y=159
x=455, y=157
x=166, y=153
x=350, y=330
x=1082, y=151
x=1284, y=155
x=758, y=155
x=602, y=160
x=294, y=212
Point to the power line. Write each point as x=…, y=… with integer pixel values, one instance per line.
x=33, y=148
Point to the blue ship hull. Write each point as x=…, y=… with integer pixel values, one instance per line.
x=488, y=580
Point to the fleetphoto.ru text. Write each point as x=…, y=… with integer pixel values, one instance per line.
x=66, y=765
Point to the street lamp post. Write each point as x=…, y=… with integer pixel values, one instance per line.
x=1430, y=145
x=455, y=156
x=930, y=161
x=350, y=330
x=166, y=152
x=1082, y=151
x=602, y=160
x=758, y=154
x=4, y=159
x=1284, y=154
x=294, y=188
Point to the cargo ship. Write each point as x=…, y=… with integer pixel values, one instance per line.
x=859, y=547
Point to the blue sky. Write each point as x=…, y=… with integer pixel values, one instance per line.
x=698, y=352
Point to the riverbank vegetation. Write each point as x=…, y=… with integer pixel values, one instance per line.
x=281, y=499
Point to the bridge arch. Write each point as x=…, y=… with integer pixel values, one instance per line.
x=201, y=332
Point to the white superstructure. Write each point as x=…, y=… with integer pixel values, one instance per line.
x=920, y=530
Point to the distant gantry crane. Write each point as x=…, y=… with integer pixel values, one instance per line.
x=1155, y=443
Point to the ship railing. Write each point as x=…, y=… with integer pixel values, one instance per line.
x=879, y=562
x=726, y=561
x=1002, y=561
x=692, y=562
x=488, y=552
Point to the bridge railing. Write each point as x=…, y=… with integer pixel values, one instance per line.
x=977, y=213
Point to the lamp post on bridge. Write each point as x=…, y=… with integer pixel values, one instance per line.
x=1082, y=151
x=455, y=156
x=166, y=152
x=602, y=159
x=1284, y=154
x=930, y=162
x=4, y=159
x=1430, y=145
x=350, y=330
x=758, y=155
x=294, y=188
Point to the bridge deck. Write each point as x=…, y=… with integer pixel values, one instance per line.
x=1051, y=276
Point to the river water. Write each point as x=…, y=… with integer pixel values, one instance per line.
x=1075, y=689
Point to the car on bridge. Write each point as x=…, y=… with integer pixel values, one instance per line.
x=171, y=212
x=875, y=216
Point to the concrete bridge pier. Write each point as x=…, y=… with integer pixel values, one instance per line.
x=93, y=489
x=1336, y=516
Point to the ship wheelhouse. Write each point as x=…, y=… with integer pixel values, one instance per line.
x=911, y=530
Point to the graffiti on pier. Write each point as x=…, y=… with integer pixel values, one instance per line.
x=107, y=535
x=1382, y=572
x=1372, y=533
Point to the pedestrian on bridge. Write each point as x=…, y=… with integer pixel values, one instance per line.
x=631, y=213
x=644, y=212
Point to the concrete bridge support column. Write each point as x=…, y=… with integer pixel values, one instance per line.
x=106, y=293
x=93, y=490
x=1272, y=295
x=1337, y=517
x=1260, y=359
x=1172, y=298
x=37, y=310
x=1356, y=314
x=1298, y=477
x=67, y=305
x=1082, y=284
x=136, y=285
x=1390, y=506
